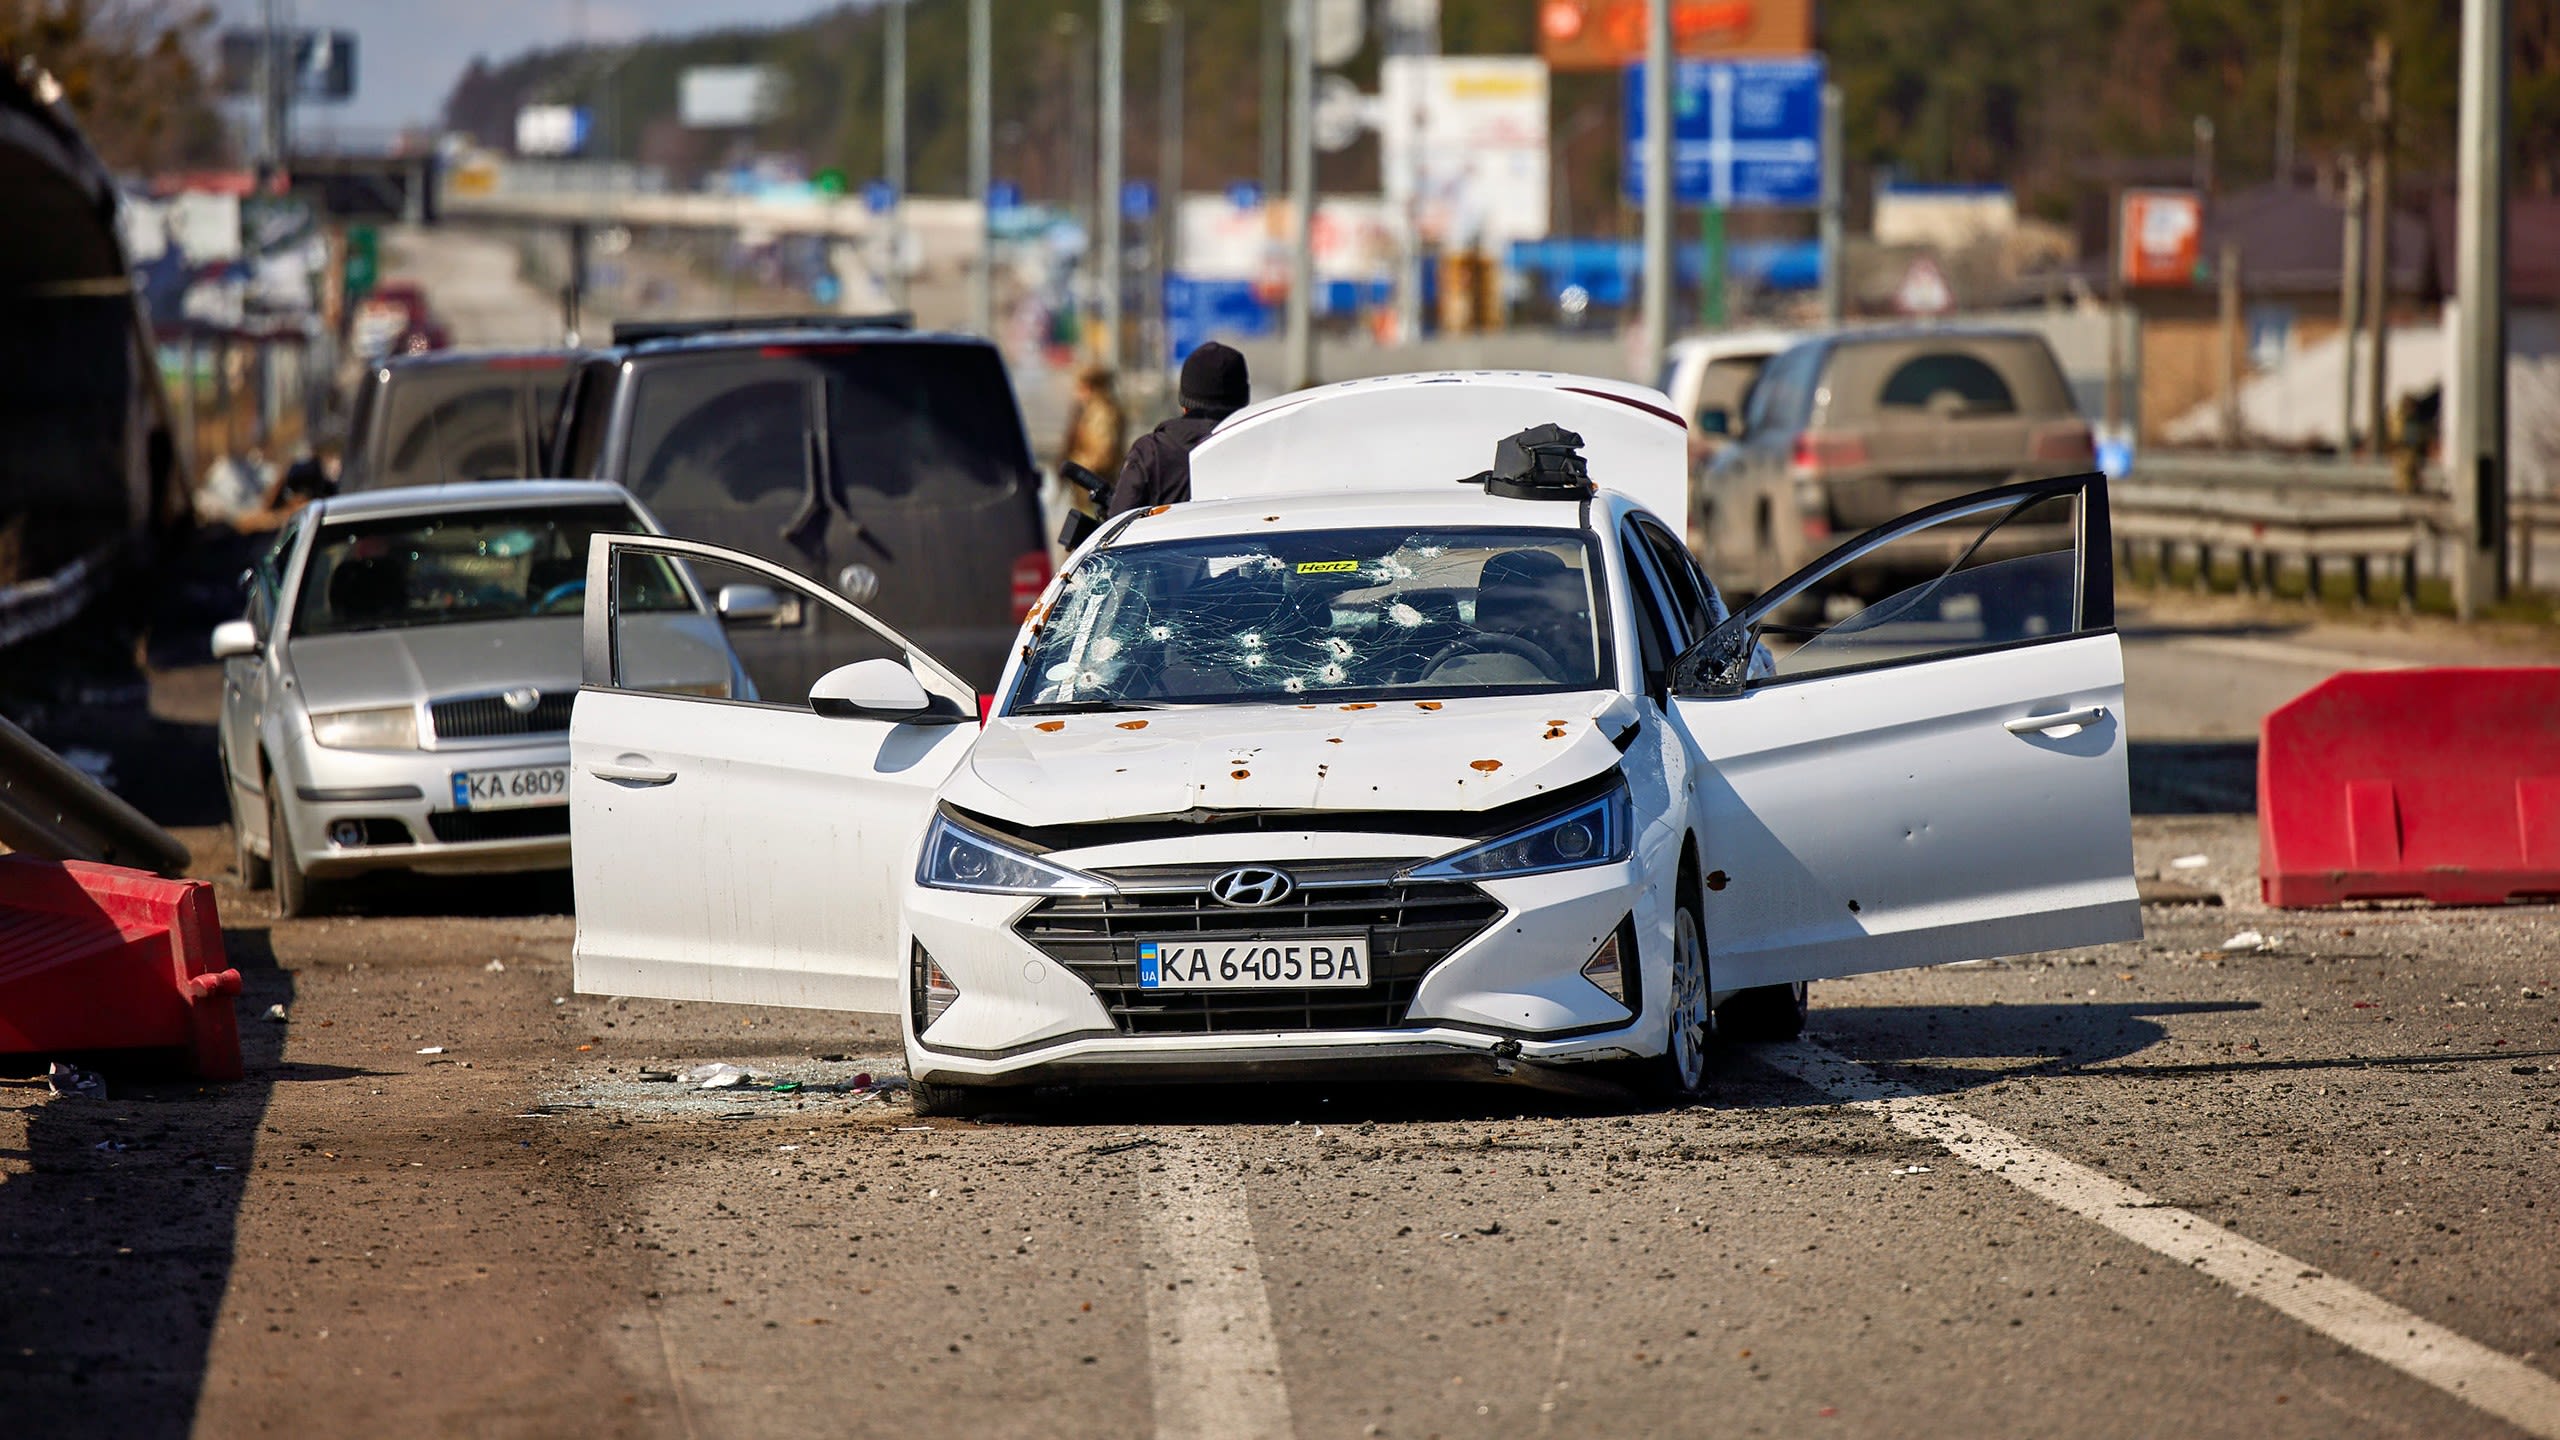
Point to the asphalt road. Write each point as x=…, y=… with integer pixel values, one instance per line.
x=2163, y=1187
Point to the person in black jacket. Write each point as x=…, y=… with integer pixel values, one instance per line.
x=1158, y=470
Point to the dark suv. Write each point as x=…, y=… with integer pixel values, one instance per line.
x=453, y=415
x=888, y=464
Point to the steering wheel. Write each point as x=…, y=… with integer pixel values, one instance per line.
x=565, y=590
x=1486, y=641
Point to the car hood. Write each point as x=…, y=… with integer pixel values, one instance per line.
x=402, y=667
x=1462, y=755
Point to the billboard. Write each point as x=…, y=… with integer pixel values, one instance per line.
x=551, y=130
x=322, y=62
x=1463, y=147
x=728, y=97
x=1609, y=34
x=2160, y=237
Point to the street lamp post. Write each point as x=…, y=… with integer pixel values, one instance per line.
x=982, y=276
x=893, y=139
x=1107, y=199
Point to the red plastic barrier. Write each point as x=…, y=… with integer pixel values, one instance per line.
x=2439, y=785
x=98, y=957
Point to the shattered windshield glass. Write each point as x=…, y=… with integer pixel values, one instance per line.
x=1327, y=614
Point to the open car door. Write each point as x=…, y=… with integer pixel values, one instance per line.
x=733, y=843
x=1937, y=774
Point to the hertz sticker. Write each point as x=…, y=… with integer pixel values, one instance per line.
x=1327, y=567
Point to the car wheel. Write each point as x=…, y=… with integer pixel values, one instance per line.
x=956, y=1101
x=254, y=870
x=293, y=888
x=1763, y=1014
x=1681, y=1068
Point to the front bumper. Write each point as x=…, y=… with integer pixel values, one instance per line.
x=1514, y=990
x=403, y=801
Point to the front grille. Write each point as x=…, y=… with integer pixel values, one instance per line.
x=456, y=827
x=485, y=715
x=1411, y=927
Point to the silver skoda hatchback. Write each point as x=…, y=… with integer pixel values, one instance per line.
x=397, y=695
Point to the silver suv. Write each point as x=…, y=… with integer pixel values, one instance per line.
x=1847, y=431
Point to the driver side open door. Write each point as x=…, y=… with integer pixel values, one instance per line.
x=1937, y=775
x=748, y=850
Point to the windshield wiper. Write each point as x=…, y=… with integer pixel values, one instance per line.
x=1082, y=707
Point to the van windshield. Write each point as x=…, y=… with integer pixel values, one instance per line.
x=1321, y=615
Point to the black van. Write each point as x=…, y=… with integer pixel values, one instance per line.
x=889, y=464
x=453, y=415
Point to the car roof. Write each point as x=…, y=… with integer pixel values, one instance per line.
x=529, y=358
x=794, y=339
x=1922, y=334
x=1736, y=342
x=467, y=496
x=1450, y=506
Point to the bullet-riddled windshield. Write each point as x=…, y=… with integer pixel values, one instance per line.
x=1323, y=615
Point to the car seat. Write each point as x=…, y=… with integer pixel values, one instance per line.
x=1530, y=595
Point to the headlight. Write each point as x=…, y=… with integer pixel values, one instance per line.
x=959, y=858
x=390, y=728
x=1599, y=833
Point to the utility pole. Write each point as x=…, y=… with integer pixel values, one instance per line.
x=982, y=276
x=1301, y=367
x=893, y=133
x=2351, y=301
x=1278, y=18
x=1111, y=257
x=2288, y=80
x=1657, y=184
x=1168, y=185
x=2477, y=454
x=2377, y=247
x=1834, y=280
x=2227, y=351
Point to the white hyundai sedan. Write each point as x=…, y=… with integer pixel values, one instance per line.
x=1373, y=754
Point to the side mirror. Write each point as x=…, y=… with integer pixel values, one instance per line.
x=1715, y=422
x=748, y=605
x=233, y=639
x=870, y=690
x=1077, y=528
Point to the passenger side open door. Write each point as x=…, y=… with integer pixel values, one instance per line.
x=1936, y=774
x=751, y=850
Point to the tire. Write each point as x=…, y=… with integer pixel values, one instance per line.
x=947, y=1101
x=256, y=872
x=1763, y=1014
x=294, y=891
x=1681, y=1069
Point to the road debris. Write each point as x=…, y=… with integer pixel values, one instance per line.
x=495, y=966
x=276, y=1014
x=432, y=1050
x=721, y=1075
x=1121, y=1147
x=2190, y=862
x=64, y=1079
x=2251, y=942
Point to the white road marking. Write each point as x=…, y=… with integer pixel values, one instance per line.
x=2465, y=1369
x=2285, y=652
x=1209, y=1339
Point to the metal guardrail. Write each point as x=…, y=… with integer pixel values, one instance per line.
x=2265, y=510
x=50, y=809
